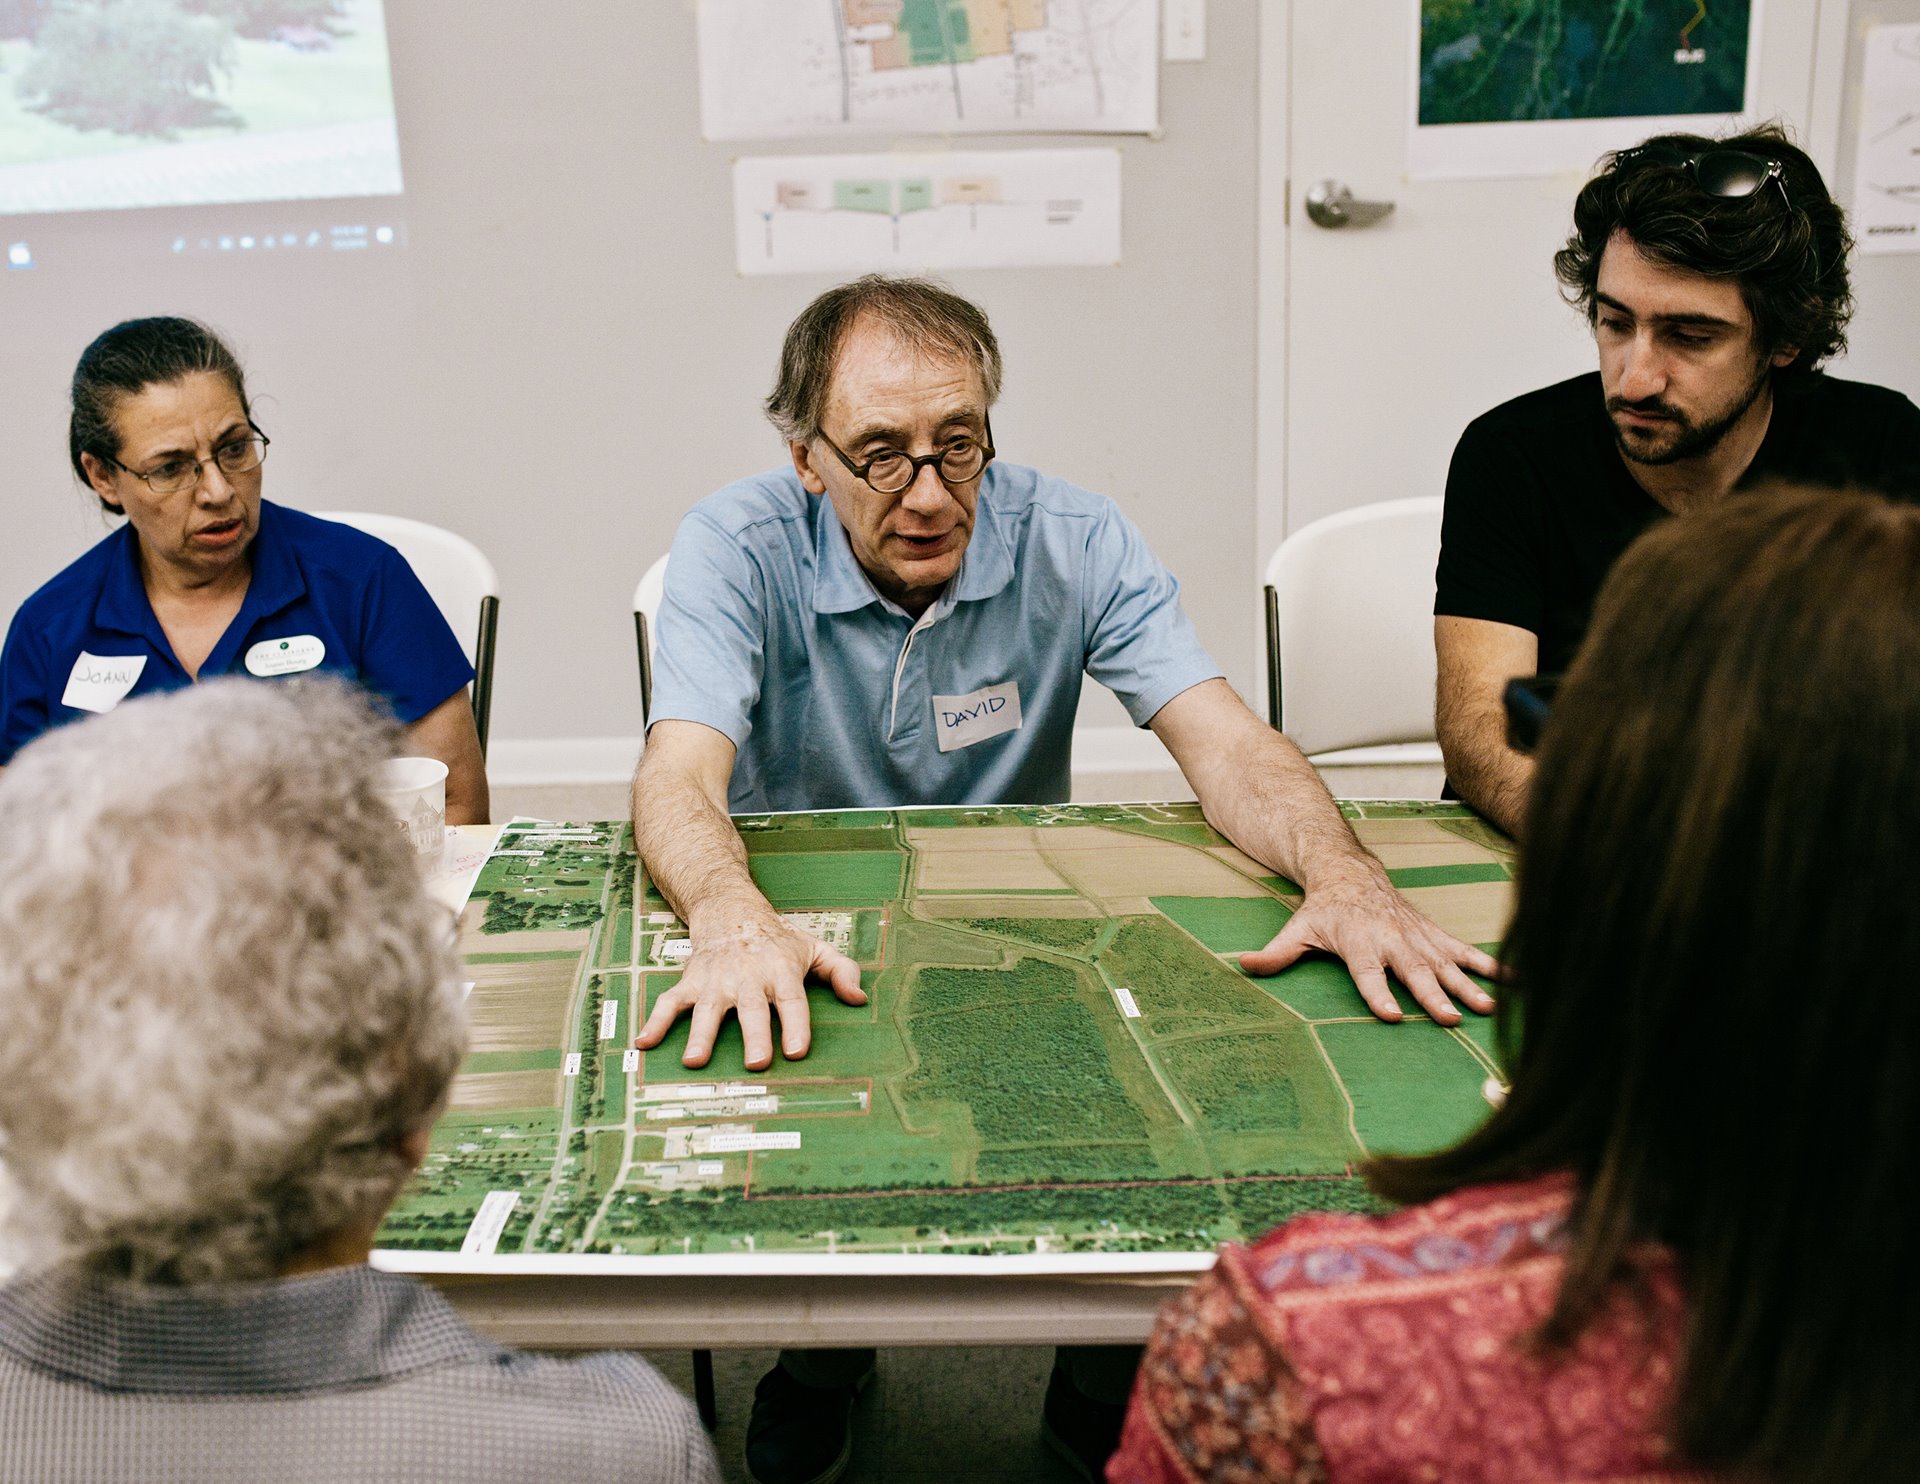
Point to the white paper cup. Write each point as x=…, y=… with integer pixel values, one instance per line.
x=415, y=789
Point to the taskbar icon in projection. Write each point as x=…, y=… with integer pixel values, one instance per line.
x=116, y=104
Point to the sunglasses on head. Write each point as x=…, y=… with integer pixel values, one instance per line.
x=1719, y=170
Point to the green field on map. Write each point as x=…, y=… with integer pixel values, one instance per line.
x=1059, y=1053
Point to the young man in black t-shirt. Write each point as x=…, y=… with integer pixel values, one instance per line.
x=1714, y=274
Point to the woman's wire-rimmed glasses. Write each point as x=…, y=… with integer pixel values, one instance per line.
x=239, y=456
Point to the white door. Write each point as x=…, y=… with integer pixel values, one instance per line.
x=1399, y=333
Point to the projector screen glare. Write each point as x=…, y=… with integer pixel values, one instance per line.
x=117, y=104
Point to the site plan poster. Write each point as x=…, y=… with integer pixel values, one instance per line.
x=1534, y=87
x=1061, y=1067
x=782, y=69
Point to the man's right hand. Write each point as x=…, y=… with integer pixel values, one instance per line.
x=756, y=969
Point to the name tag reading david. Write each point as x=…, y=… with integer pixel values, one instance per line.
x=961, y=721
x=285, y=656
x=98, y=683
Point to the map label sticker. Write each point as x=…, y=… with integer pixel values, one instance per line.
x=631, y=1061
x=98, y=683
x=745, y=1141
x=711, y=1167
x=489, y=1221
x=609, y=1013
x=287, y=656
x=1127, y=1006
x=572, y=1068
x=674, y=1092
x=961, y=721
x=760, y=1105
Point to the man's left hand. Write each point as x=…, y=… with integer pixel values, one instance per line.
x=1377, y=931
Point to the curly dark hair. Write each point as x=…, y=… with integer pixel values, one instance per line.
x=1789, y=257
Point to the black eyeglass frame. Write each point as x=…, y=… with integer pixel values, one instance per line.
x=1769, y=168
x=199, y=464
x=862, y=471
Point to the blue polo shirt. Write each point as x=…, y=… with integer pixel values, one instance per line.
x=323, y=597
x=771, y=633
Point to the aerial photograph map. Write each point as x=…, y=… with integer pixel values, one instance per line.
x=1059, y=1057
x=1502, y=61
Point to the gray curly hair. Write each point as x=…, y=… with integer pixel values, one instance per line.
x=227, y=996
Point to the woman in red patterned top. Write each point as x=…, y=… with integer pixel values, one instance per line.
x=1682, y=1248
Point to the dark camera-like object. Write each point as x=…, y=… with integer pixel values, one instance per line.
x=1529, y=701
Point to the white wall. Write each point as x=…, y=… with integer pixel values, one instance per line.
x=568, y=359
x=563, y=357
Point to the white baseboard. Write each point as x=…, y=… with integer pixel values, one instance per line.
x=518, y=762
x=521, y=762
x=1108, y=763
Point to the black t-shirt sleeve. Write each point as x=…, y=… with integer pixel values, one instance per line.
x=1898, y=473
x=1490, y=559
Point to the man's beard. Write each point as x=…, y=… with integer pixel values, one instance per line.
x=1690, y=439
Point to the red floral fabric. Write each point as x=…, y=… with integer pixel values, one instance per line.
x=1362, y=1350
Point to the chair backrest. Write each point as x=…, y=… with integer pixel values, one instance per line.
x=1350, y=627
x=646, y=611
x=461, y=582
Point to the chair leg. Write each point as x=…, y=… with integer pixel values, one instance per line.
x=703, y=1388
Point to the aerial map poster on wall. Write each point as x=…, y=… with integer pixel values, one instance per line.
x=1061, y=1067
x=783, y=68
x=1527, y=87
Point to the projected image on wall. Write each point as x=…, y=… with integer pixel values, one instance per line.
x=108, y=104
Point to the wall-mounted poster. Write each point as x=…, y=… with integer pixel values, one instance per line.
x=1886, y=161
x=1532, y=87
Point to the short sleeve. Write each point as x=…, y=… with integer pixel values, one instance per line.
x=26, y=710
x=1490, y=567
x=408, y=655
x=1140, y=643
x=710, y=652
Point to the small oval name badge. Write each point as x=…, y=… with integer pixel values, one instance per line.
x=285, y=656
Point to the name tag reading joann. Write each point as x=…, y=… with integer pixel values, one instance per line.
x=285, y=656
x=961, y=721
x=98, y=682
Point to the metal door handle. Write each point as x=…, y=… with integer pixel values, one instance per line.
x=1330, y=204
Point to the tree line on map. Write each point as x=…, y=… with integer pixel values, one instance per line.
x=148, y=68
x=1179, y=1217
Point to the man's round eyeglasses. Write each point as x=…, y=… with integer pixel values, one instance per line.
x=891, y=471
x=241, y=456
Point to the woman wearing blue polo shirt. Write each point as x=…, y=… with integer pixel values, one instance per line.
x=206, y=578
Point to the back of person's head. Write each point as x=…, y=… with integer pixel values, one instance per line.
x=227, y=996
x=920, y=312
x=1785, y=243
x=1711, y=958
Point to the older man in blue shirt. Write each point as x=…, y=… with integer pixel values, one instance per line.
x=898, y=619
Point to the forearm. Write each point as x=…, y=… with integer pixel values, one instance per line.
x=693, y=854
x=467, y=798
x=1483, y=770
x=1266, y=797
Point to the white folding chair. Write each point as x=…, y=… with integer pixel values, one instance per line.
x=646, y=612
x=461, y=582
x=1350, y=632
